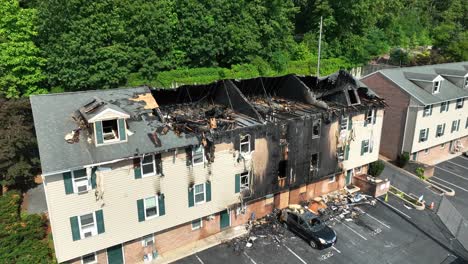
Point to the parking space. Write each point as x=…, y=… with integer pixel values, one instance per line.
x=454, y=174
x=378, y=236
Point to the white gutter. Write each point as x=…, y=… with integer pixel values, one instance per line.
x=86, y=166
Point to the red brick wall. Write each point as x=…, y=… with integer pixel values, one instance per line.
x=437, y=154
x=395, y=114
x=100, y=255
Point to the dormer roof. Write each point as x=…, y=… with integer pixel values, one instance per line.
x=98, y=109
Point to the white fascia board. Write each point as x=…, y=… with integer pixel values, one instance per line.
x=438, y=79
x=117, y=114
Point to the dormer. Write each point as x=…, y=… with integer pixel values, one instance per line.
x=458, y=77
x=432, y=83
x=108, y=121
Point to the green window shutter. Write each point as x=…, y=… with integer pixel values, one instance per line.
x=141, y=210
x=75, y=228
x=137, y=168
x=237, y=184
x=93, y=177
x=375, y=116
x=350, y=125
x=208, y=191
x=191, y=202
x=122, y=130
x=100, y=221
x=98, y=131
x=161, y=205
x=347, y=152
x=362, y=147
x=67, y=180
x=430, y=113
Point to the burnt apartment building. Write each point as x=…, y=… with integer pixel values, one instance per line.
x=133, y=173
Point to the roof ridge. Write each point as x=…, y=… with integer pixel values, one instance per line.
x=90, y=91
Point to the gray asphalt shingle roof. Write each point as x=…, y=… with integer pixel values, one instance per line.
x=53, y=120
x=448, y=90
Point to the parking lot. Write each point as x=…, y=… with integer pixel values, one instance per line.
x=454, y=174
x=378, y=236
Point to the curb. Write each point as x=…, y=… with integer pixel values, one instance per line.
x=416, y=206
x=442, y=187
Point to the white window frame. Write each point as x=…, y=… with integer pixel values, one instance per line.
x=445, y=106
x=94, y=231
x=157, y=207
x=245, y=143
x=425, y=138
x=426, y=151
x=357, y=170
x=442, y=130
x=200, y=220
x=371, y=116
x=344, y=123
x=332, y=179
x=427, y=110
x=154, y=166
x=442, y=146
x=117, y=138
x=88, y=181
x=243, y=175
x=368, y=146
x=193, y=155
x=459, y=103
x=144, y=241
x=436, y=87
x=457, y=126
x=195, y=194
x=95, y=258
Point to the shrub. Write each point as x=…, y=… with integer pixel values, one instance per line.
x=403, y=159
x=376, y=168
x=420, y=173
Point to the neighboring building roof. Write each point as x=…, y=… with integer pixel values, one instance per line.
x=54, y=117
x=448, y=91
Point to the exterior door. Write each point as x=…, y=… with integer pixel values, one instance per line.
x=349, y=176
x=115, y=255
x=225, y=220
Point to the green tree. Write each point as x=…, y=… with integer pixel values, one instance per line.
x=19, y=161
x=20, y=60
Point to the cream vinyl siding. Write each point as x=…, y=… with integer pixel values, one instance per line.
x=371, y=132
x=121, y=192
x=432, y=121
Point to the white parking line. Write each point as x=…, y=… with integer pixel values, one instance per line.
x=462, y=156
x=336, y=249
x=378, y=221
x=395, y=208
x=294, y=253
x=459, y=176
x=199, y=259
x=457, y=164
x=354, y=231
x=461, y=188
x=251, y=260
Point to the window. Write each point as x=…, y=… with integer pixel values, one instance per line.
x=426, y=151
x=436, y=88
x=357, y=170
x=365, y=146
x=197, y=224
x=199, y=193
x=81, y=181
x=444, y=106
x=427, y=110
x=466, y=82
x=314, y=162
x=344, y=123
x=245, y=144
x=151, y=207
x=440, y=130
x=148, y=166
x=88, y=225
x=147, y=240
x=89, y=259
x=331, y=179
x=455, y=125
x=459, y=103
x=370, y=117
x=244, y=180
x=340, y=153
x=316, y=129
x=423, y=134
x=110, y=130
x=352, y=97
x=198, y=155
x=442, y=145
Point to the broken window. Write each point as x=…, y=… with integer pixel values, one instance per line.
x=198, y=155
x=244, y=180
x=245, y=144
x=316, y=128
x=344, y=123
x=80, y=181
x=352, y=97
x=110, y=130
x=314, y=162
x=151, y=207
x=199, y=193
x=282, y=166
x=88, y=225
x=370, y=117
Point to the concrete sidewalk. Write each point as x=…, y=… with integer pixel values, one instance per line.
x=201, y=245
